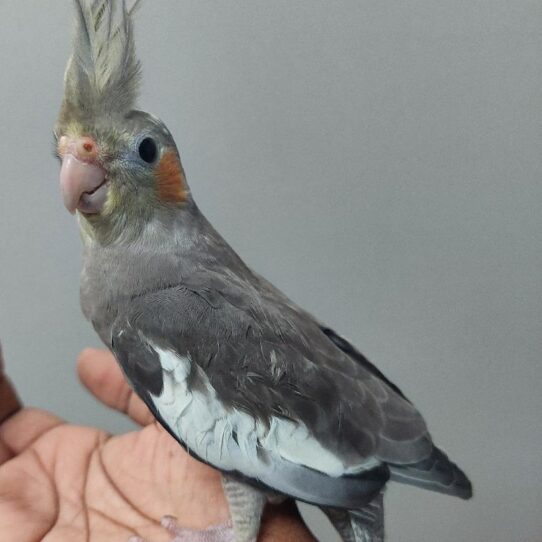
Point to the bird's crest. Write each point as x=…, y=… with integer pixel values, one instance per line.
x=103, y=73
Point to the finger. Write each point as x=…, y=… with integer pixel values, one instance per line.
x=283, y=522
x=23, y=428
x=5, y=453
x=102, y=376
x=9, y=402
x=9, y=405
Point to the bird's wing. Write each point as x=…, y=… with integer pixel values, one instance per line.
x=250, y=383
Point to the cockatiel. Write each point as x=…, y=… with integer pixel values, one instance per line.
x=242, y=377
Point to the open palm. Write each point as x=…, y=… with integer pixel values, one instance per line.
x=61, y=482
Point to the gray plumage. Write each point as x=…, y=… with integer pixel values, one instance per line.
x=260, y=352
x=239, y=374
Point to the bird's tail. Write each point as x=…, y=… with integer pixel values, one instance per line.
x=436, y=473
x=363, y=525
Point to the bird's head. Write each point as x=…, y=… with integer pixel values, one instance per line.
x=120, y=166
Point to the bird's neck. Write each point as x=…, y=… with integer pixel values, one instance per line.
x=163, y=253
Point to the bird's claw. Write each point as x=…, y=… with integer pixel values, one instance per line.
x=216, y=533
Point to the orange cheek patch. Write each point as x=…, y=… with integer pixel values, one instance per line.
x=171, y=184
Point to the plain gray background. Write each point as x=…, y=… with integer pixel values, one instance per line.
x=379, y=161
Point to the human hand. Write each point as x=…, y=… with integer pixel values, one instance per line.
x=62, y=482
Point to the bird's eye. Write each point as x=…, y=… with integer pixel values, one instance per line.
x=148, y=150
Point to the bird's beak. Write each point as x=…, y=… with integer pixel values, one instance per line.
x=83, y=183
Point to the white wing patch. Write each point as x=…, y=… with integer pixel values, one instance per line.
x=232, y=439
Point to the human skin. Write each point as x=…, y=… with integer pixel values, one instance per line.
x=62, y=482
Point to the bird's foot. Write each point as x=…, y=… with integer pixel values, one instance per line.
x=215, y=533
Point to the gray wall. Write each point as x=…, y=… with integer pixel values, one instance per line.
x=379, y=161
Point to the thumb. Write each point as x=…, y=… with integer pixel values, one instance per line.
x=101, y=375
x=9, y=402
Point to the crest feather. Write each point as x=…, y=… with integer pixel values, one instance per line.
x=103, y=72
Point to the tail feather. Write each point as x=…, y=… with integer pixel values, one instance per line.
x=436, y=473
x=365, y=524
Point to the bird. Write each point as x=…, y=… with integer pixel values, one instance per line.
x=241, y=376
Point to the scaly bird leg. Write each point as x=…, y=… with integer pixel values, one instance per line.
x=246, y=506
